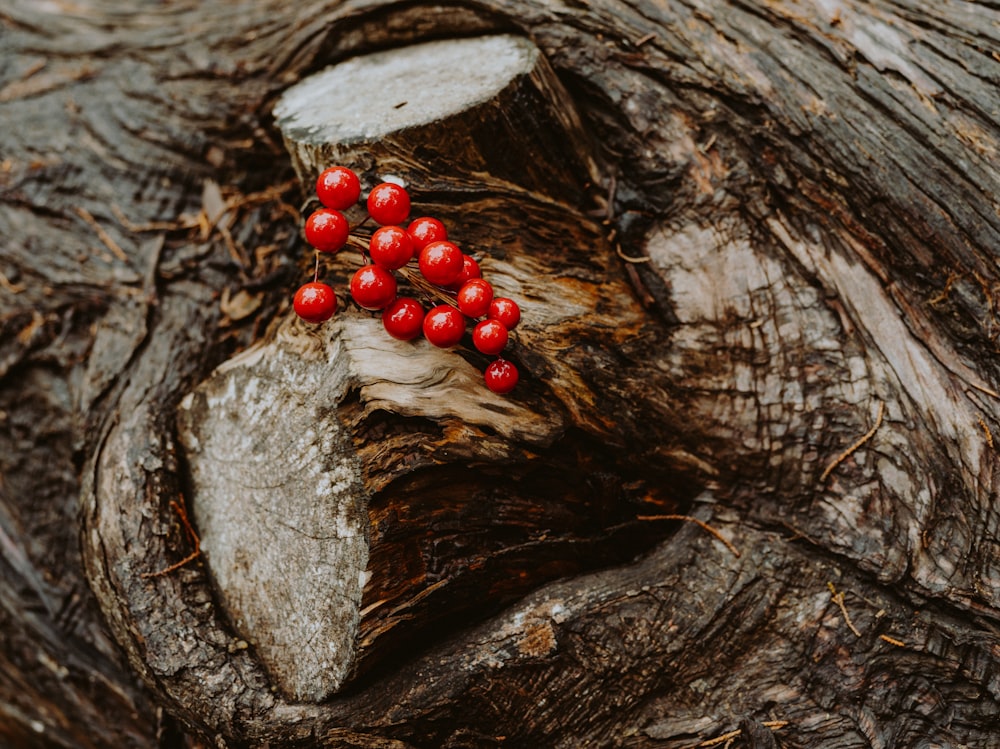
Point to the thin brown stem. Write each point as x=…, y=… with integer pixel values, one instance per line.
x=192, y=537
x=856, y=446
x=700, y=523
x=361, y=223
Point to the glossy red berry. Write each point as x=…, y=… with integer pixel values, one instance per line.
x=390, y=247
x=490, y=337
x=327, y=230
x=501, y=376
x=373, y=287
x=425, y=230
x=315, y=302
x=403, y=319
x=470, y=270
x=505, y=311
x=338, y=187
x=474, y=297
x=388, y=204
x=444, y=326
x=440, y=262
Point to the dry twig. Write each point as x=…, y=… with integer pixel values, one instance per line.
x=700, y=523
x=629, y=259
x=727, y=737
x=986, y=430
x=192, y=537
x=117, y=251
x=854, y=448
x=181, y=224
x=838, y=598
x=13, y=288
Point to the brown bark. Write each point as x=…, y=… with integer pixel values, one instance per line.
x=377, y=488
x=813, y=188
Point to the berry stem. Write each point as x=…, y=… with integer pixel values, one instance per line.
x=316, y=268
x=361, y=246
x=417, y=280
x=361, y=223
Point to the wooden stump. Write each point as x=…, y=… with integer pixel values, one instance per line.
x=357, y=494
x=484, y=116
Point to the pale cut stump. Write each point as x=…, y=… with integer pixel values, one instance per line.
x=355, y=492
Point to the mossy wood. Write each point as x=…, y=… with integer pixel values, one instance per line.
x=756, y=250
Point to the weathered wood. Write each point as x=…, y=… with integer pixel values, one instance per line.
x=841, y=155
x=483, y=115
x=356, y=493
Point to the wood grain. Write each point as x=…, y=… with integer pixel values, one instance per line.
x=357, y=494
x=814, y=186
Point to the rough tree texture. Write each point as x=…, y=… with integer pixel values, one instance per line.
x=284, y=464
x=813, y=185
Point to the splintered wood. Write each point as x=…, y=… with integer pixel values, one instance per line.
x=283, y=468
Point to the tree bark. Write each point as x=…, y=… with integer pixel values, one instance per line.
x=788, y=260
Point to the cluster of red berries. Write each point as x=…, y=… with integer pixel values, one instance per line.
x=446, y=274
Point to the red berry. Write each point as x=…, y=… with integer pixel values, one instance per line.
x=388, y=204
x=425, y=230
x=505, y=311
x=390, y=247
x=470, y=270
x=373, y=287
x=403, y=319
x=327, y=230
x=444, y=326
x=501, y=376
x=490, y=337
x=440, y=262
x=474, y=297
x=315, y=302
x=338, y=187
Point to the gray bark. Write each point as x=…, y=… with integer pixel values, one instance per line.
x=814, y=188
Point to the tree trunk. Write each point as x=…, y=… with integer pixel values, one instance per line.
x=758, y=266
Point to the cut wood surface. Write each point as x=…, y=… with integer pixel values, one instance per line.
x=762, y=297
x=354, y=492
